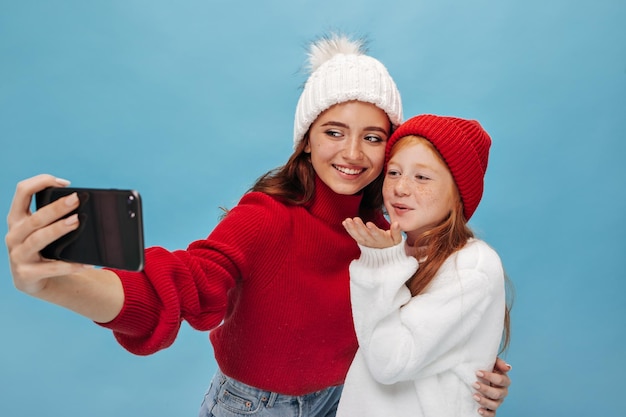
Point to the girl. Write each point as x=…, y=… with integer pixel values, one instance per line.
x=422, y=331
x=271, y=281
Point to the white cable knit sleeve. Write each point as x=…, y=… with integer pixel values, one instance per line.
x=377, y=285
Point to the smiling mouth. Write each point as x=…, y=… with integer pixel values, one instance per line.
x=349, y=171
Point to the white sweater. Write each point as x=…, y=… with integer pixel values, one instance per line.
x=418, y=355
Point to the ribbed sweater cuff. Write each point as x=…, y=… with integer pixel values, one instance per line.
x=138, y=313
x=375, y=258
x=149, y=319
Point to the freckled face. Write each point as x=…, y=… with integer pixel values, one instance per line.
x=347, y=145
x=418, y=189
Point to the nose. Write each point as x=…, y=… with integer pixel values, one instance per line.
x=354, y=148
x=401, y=187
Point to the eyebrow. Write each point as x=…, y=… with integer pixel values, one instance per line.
x=339, y=124
x=419, y=165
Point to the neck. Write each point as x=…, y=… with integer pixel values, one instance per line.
x=333, y=207
x=418, y=252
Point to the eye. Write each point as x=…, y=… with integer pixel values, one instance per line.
x=373, y=138
x=421, y=177
x=393, y=173
x=333, y=133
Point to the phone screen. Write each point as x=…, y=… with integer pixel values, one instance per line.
x=110, y=232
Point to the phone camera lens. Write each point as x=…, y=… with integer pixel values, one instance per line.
x=130, y=202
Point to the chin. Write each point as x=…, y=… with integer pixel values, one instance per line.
x=346, y=190
x=408, y=226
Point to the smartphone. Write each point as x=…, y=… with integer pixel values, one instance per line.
x=110, y=232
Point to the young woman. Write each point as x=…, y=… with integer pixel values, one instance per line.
x=271, y=281
x=429, y=306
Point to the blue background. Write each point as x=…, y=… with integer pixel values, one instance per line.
x=190, y=101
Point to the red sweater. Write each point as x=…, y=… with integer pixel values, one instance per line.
x=271, y=282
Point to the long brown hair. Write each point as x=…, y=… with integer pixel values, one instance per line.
x=443, y=240
x=294, y=182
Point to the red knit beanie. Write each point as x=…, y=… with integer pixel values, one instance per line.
x=464, y=146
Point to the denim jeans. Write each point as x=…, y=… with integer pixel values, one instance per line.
x=227, y=397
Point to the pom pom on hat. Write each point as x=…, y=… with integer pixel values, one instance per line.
x=464, y=146
x=340, y=72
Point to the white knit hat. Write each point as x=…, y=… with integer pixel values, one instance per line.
x=340, y=72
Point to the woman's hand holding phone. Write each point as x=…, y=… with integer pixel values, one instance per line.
x=28, y=233
x=94, y=293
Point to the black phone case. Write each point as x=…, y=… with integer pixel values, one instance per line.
x=110, y=233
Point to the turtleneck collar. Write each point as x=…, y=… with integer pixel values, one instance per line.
x=332, y=207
